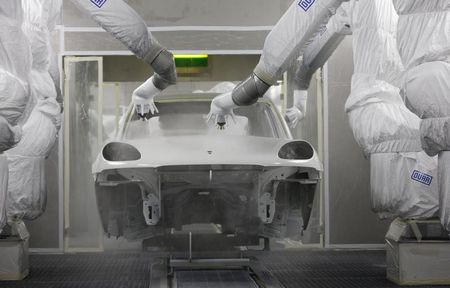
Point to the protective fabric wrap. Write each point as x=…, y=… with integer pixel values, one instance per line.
x=424, y=44
x=40, y=19
x=435, y=134
x=41, y=118
x=382, y=124
x=444, y=188
x=423, y=31
x=399, y=187
x=3, y=189
x=120, y=20
x=427, y=89
x=314, y=57
x=320, y=49
x=15, y=65
x=300, y=100
x=27, y=189
x=284, y=42
x=380, y=121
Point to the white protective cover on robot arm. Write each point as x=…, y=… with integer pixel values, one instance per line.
x=297, y=112
x=295, y=30
x=380, y=121
x=426, y=51
x=432, y=41
x=15, y=65
x=3, y=189
x=222, y=108
x=121, y=21
x=424, y=42
x=314, y=57
x=54, y=72
x=27, y=191
x=40, y=19
x=427, y=89
x=41, y=118
x=142, y=97
x=394, y=193
x=322, y=47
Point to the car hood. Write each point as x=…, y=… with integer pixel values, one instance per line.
x=206, y=150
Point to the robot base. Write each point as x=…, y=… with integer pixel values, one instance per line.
x=418, y=253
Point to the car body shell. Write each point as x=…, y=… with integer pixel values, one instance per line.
x=229, y=180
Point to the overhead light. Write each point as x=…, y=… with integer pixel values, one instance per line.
x=189, y=56
x=191, y=60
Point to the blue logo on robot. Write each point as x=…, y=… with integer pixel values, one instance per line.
x=98, y=3
x=422, y=177
x=306, y=4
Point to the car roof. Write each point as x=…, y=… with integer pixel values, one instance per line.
x=207, y=97
x=185, y=96
x=181, y=97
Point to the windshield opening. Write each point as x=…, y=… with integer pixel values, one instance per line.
x=189, y=118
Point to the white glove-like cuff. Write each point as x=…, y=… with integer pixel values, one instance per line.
x=293, y=116
x=142, y=98
x=300, y=99
x=222, y=106
x=297, y=112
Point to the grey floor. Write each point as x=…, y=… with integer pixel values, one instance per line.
x=324, y=268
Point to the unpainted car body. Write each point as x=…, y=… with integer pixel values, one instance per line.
x=174, y=170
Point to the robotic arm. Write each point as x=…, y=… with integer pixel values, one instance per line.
x=121, y=21
x=314, y=57
x=295, y=30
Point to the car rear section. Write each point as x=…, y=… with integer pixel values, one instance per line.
x=239, y=202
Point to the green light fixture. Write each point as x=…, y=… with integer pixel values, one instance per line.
x=191, y=61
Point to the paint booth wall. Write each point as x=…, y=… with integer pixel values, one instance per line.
x=351, y=219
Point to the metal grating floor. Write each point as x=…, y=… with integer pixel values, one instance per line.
x=329, y=269
x=87, y=270
x=294, y=269
x=214, y=279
